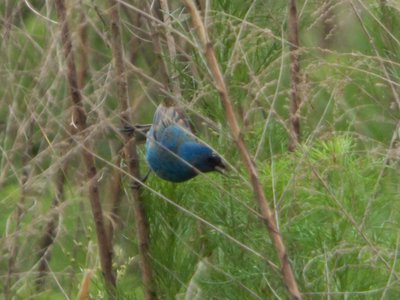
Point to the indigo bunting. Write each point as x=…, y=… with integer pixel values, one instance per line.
x=173, y=152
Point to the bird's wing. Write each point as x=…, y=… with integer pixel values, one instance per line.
x=165, y=116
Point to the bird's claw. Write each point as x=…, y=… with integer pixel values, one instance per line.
x=127, y=129
x=141, y=128
x=137, y=184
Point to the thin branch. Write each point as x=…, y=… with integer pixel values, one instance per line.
x=293, y=37
x=18, y=212
x=83, y=48
x=79, y=123
x=38, y=13
x=173, y=76
x=130, y=153
x=50, y=233
x=267, y=214
x=156, y=39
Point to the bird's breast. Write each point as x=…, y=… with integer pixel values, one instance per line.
x=167, y=164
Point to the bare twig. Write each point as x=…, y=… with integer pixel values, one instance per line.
x=293, y=28
x=50, y=229
x=79, y=122
x=173, y=76
x=18, y=213
x=156, y=38
x=130, y=153
x=116, y=197
x=83, y=48
x=84, y=291
x=267, y=214
x=50, y=232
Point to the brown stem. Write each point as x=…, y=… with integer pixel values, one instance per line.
x=19, y=211
x=50, y=232
x=293, y=33
x=130, y=153
x=135, y=19
x=79, y=122
x=51, y=227
x=173, y=76
x=13, y=249
x=83, y=48
x=156, y=39
x=116, y=190
x=267, y=215
x=10, y=15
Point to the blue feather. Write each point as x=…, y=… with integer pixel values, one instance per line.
x=173, y=152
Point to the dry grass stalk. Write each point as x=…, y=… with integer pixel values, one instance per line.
x=19, y=211
x=116, y=197
x=79, y=122
x=155, y=34
x=267, y=214
x=130, y=153
x=173, y=76
x=293, y=37
x=84, y=291
x=50, y=229
x=83, y=48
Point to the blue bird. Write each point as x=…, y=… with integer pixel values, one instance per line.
x=173, y=152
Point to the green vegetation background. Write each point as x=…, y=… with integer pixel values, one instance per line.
x=336, y=197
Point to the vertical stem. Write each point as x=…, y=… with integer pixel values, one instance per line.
x=173, y=76
x=116, y=196
x=156, y=39
x=130, y=153
x=50, y=233
x=293, y=33
x=83, y=48
x=50, y=230
x=267, y=214
x=18, y=213
x=79, y=122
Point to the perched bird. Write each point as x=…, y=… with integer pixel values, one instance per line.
x=173, y=152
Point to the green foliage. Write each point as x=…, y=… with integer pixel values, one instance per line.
x=335, y=197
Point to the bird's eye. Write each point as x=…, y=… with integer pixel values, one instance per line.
x=214, y=158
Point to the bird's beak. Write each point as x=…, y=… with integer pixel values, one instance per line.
x=221, y=168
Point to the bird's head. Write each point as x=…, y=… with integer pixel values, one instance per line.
x=202, y=158
x=215, y=163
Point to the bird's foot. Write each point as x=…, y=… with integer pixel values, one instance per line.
x=137, y=184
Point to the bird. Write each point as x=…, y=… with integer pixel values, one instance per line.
x=172, y=150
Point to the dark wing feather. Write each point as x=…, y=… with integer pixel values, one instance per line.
x=166, y=116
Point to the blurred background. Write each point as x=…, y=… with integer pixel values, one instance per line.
x=335, y=196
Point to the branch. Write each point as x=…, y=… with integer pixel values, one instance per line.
x=267, y=215
x=130, y=153
x=173, y=76
x=50, y=233
x=79, y=122
x=293, y=33
x=19, y=211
